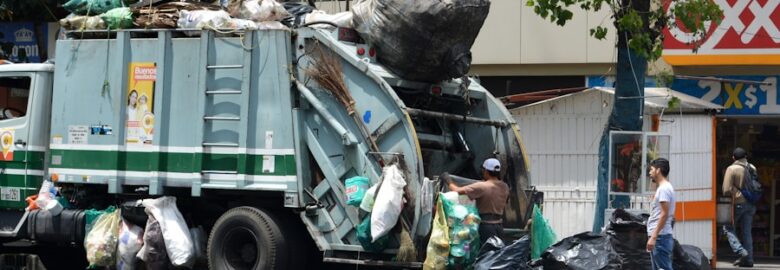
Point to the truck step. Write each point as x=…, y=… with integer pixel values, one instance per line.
x=224, y=66
x=223, y=92
x=221, y=118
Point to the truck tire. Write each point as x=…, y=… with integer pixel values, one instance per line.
x=246, y=238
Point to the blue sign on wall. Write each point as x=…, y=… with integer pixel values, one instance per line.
x=745, y=95
x=19, y=44
x=743, y=98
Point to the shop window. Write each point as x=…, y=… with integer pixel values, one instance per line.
x=629, y=160
x=14, y=95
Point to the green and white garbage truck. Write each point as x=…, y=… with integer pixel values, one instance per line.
x=254, y=148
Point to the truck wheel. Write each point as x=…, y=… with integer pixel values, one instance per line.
x=246, y=238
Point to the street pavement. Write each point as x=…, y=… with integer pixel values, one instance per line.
x=760, y=264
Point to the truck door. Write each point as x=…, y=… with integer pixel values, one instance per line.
x=21, y=171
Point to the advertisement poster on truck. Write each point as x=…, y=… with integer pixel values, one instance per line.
x=140, y=103
x=7, y=143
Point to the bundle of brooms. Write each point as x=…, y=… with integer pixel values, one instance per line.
x=327, y=71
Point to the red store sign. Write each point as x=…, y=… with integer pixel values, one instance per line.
x=749, y=34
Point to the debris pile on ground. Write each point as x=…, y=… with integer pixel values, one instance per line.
x=494, y=255
x=621, y=246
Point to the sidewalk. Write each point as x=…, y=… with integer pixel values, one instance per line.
x=725, y=263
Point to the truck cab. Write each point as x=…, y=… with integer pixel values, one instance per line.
x=25, y=99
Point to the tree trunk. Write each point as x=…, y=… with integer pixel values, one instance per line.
x=626, y=113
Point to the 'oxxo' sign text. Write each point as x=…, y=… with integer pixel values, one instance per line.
x=749, y=34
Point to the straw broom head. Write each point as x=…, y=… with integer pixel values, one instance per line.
x=326, y=70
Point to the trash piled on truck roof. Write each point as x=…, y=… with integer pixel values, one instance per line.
x=117, y=14
x=427, y=41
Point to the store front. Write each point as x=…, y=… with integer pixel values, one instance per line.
x=751, y=120
x=760, y=136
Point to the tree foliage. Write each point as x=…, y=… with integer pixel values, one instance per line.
x=642, y=28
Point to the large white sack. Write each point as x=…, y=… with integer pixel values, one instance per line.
x=178, y=242
x=387, y=207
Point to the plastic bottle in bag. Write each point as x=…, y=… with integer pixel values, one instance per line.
x=101, y=241
x=130, y=242
x=45, y=194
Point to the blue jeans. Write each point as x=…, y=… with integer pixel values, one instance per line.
x=661, y=255
x=743, y=218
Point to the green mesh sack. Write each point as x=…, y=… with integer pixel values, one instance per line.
x=118, y=18
x=93, y=7
x=463, y=222
x=542, y=235
x=364, y=237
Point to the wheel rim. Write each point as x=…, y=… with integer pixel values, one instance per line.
x=240, y=249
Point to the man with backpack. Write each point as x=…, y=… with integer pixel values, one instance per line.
x=741, y=184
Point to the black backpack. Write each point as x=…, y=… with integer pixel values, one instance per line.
x=751, y=189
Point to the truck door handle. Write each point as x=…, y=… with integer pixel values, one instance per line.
x=20, y=142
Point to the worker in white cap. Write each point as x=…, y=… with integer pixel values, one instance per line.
x=491, y=196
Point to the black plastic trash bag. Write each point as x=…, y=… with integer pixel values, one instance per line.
x=687, y=257
x=133, y=212
x=423, y=40
x=628, y=235
x=493, y=244
x=297, y=11
x=620, y=216
x=153, y=253
x=584, y=251
x=495, y=256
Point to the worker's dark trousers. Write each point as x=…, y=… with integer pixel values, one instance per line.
x=487, y=230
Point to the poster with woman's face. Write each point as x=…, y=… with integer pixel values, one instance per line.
x=140, y=103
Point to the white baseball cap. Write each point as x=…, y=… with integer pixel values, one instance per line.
x=492, y=165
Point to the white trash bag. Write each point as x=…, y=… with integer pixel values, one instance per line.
x=368, y=200
x=241, y=24
x=341, y=19
x=178, y=241
x=257, y=10
x=131, y=239
x=271, y=25
x=387, y=207
x=203, y=19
